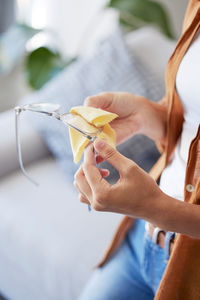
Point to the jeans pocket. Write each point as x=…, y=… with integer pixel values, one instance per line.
x=153, y=263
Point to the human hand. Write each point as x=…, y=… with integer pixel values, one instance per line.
x=135, y=193
x=136, y=115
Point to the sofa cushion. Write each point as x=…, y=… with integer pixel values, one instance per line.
x=49, y=243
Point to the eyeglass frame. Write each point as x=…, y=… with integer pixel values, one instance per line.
x=54, y=113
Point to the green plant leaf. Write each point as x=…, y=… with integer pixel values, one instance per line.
x=42, y=65
x=127, y=23
x=143, y=12
x=12, y=45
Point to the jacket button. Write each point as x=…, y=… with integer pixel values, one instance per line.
x=190, y=188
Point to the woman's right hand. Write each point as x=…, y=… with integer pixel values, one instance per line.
x=137, y=115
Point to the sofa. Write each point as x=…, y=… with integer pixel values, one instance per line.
x=49, y=241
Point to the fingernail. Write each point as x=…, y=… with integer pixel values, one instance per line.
x=99, y=144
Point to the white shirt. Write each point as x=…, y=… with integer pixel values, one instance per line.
x=188, y=88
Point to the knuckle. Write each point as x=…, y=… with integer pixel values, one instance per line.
x=96, y=206
x=97, y=203
x=110, y=152
x=130, y=169
x=99, y=200
x=82, y=198
x=89, y=101
x=78, y=174
x=96, y=99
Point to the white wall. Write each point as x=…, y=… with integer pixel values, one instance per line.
x=176, y=10
x=78, y=22
x=70, y=19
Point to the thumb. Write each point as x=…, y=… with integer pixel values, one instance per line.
x=111, y=155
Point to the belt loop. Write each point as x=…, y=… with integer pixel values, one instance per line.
x=168, y=237
x=156, y=231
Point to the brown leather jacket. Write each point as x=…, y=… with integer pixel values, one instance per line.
x=181, y=279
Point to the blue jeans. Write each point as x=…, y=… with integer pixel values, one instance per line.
x=134, y=272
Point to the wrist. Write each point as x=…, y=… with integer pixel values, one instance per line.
x=155, y=210
x=174, y=215
x=163, y=212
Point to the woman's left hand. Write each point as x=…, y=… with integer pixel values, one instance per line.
x=135, y=194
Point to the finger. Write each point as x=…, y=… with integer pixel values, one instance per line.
x=77, y=187
x=99, y=159
x=78, y=173
x=111, y=155
x=82, y=184
x=102, y=100
x=104, y=172
x=89, y=155
x=83, y=199
x=92, y=173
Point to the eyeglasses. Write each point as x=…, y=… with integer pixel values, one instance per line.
x=52, y=110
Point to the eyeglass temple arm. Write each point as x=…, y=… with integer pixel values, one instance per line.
x=18, y=110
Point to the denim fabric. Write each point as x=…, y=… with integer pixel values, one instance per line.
x=134, y=272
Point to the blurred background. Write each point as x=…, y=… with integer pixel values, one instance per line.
x=60, y=24
x=62, y=51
